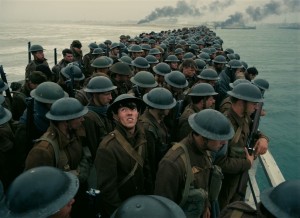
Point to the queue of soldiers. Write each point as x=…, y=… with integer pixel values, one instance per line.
x=138, y=117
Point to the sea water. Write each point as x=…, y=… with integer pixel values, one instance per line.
x=274, y=52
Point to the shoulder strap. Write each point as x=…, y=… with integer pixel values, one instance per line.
x=59, y=155
x=237, y=135
x=236, y=214
x=189, y=175
x=131, y=173
x=95, y=116
x=128, y=148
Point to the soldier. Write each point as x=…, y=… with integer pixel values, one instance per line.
x=96, y=121
x=156, y=53
x=114, y=52
x=87, y=60
x=70, y=78
x=143, y=82
x=179, y=54
x=160, y=71
x=19, y=98
x=200, y=65
x=6, y=101
x=122, y=160
x=172, y=61
x=188, y=68
x=56, y=203
x=219, y=63
x=33, y=123
x=152, y=61
x=61, y=146
x=67, y=58
x=159, y=101
x=8, y=169
x=251, y=73
x=120, y=74
x=237, y=161
x=202, y=97
x=77, y=52
x=140, y=64
x=135, y=51
x=37, y=52
x=184, y=173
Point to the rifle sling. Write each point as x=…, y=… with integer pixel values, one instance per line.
x=129, y=149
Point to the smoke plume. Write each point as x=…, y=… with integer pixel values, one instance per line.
x=216, y=5
x=182, y=8
x=236, y=18
x=259, y=13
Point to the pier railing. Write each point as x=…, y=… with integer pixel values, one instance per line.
x=273, y=175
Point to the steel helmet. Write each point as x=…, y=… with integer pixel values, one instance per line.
x=135, y=48
x=211, y=124
x=246, y=92
x=200, y=42
x=238, y=81
x=125, y=59
x=154, y=51
x=124, y=99
x=48, y=92
x=208, y=74
x=5, y=115
x=3, y=86
x=148, y=206
x=188, y=55
x=40, y=192
x=204, y=56
x=176, y=79
x=231, y=56
x=145, y=39
x=206, y=50
x=146, y=47
x=202, y=89
x=98, y=51
x=235, y=64
x=66, y=109
x=72, y=69
x=144, y=79
x=107, y=42
x=115, y=45
x=99, y=84
x=200, y=63
x=140, y=62
x=283, y=200
x=160, y=98
x=35, y=48
x=237, y=56
x=121, y=68
x=101, y=62
x=151, y=59
x=229, y=51
x=178, y=51
x=151, y=41
x=172, y=58
x=245, y=65
x=93, y=45
x=219, y=59
x=261, y=83
x=162, y=69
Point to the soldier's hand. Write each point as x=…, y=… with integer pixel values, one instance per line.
x=261, y=146
x=206, y=213
x=249, y=157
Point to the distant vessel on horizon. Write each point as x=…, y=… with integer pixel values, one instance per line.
x=295, y=26
x=238, y=26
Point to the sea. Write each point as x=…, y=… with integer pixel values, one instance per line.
x=274, y=52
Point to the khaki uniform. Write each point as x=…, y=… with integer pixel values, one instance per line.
x=122, y=88
x=234, y=163
x=158, y=140
x=57, y=68
x=32, y=66
x=183, y=124
x=171, y=175
x=113, y=164
x=225, y=105
x=19, y=102
x=87, y=60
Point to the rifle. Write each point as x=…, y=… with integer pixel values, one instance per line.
x=29, y=121
x=55, y=56
x=3, y=77
x=253, y=134
x=107, y=50
x=29, y=53
x=244, y=179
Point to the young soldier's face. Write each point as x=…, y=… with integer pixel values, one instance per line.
x=128, y=117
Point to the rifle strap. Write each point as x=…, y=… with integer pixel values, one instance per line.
x=189, y=175
x=131, y=173
x=61, y=158
x=237, y=135
x=128, y=148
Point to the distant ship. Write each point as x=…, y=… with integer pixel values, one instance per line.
x=238, y=26
x=294, y=26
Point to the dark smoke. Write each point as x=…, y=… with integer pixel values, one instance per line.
x=217, y=5
x=259, y=13
x=236, y=18
x=292, y=5
x=182, y=8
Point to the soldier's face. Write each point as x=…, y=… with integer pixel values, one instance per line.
x=251, y=107
x=68, y=58
x=103, y=98
x=40, y=55
x=213, y=145
x=76, y=123
x=128, y=117
x=210, y=101
x=65, y=212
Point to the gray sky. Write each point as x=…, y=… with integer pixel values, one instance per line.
x=252, y=11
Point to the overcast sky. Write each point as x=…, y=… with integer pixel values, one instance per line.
x=252, y=11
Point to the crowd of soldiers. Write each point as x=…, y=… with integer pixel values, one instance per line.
x=165, y=114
